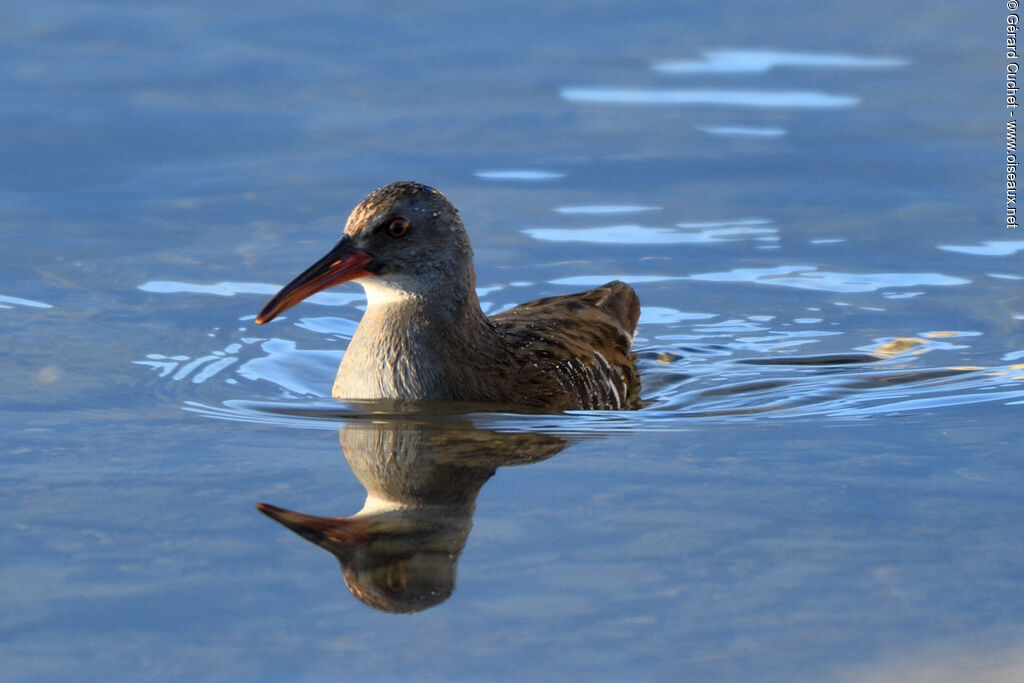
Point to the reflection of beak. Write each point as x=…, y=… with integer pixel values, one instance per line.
x=341, y=264
x=333, y=533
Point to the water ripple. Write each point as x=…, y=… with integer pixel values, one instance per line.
x=695, y=365
x=693, y=368
x=849, y=387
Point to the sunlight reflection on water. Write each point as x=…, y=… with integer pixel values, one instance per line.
x=519, y=175
x=605, y=209
x=760, y=61
x=627, y=234
x=333, y=298
x=743, y=130
x=10, y=301
x=809, y=277
x=989, y=248
x=769, y=99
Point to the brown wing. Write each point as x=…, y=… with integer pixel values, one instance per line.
x=574, y=350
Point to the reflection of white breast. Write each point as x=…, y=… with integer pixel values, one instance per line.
x=376, y=506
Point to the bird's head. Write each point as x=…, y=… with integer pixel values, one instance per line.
x=404, y=239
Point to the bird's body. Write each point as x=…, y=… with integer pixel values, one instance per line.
x=566, y=352
x=424, y=336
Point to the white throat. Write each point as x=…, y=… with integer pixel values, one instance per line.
x=380, y=292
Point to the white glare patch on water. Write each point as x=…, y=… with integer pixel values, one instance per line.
x=233, y=288
x=218, y=289
x=829, y=240
x=298, y=371
x=606, y=209
x=724, y=224
x=769, y=99
x=612, y=234
x=640, y=234
x=11, y=301
x=760, y=61
x=749, y=131
x=329, y=325
x=196, y=370
x=295, y=371
x=992, y=248
x=808, y=277
x=519, y=175
x=655, y=315
x=1004, y=276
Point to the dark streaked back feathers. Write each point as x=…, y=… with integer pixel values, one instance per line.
x=573, y=351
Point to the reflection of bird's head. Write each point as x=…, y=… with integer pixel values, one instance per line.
x=390, y=561
x=403, y=584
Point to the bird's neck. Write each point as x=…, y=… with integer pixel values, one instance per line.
x=415, y=345
x=452, y=305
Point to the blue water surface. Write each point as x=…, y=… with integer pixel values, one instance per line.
x=823, y=482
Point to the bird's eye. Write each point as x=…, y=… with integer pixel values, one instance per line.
x=398, y=227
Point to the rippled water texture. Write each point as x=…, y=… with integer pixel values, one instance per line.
x=824, y=479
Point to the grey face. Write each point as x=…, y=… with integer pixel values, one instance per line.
x=403, y=239
x=413, y=235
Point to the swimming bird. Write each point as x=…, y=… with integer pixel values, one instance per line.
x=424, y=337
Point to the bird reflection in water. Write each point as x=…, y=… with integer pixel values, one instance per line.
x=399, y=553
